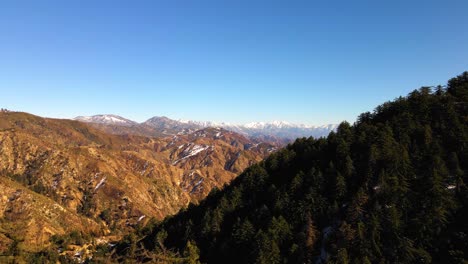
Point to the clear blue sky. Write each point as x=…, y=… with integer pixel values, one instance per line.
x=311, y=62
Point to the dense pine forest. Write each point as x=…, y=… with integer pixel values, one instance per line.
x=388, y=189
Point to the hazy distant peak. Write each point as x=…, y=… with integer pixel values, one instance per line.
x=277, y=124
x=280, y=129
x=108, y=119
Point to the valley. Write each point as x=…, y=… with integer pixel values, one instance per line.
x=60, y=176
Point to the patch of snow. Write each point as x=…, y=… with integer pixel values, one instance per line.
x=271, y=149
x=103, y=180
x=196, y=185
x=451, y=187
x=191, y=151
x=141, y=218
x=55, y=184
x=256, y=145
x=105, y=119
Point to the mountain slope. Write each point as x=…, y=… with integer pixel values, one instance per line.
x=389, y=189
x=55, y=172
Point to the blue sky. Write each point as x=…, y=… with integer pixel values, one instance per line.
x=312, y=62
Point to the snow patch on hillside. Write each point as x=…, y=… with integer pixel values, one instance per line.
x=190, y=151
x=103, y=180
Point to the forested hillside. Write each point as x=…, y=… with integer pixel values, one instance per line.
x=388, y=189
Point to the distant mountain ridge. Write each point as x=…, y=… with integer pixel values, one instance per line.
x=166, y=126
x=106, y=119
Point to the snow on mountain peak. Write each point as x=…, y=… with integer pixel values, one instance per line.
x=279, y=129
x=106, y=119
x=273, y=124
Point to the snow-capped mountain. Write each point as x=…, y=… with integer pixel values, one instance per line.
x=106, y=119
x=161, y=125
x=170, y=126
x=280, y=129
x=274, y=124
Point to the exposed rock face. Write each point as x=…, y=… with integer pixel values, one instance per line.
x=62, y=175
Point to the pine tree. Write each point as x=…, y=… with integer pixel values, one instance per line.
x=192, y=253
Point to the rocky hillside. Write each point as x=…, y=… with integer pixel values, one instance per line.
x=57, y=176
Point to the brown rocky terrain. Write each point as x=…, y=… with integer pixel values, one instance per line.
x=58, y=176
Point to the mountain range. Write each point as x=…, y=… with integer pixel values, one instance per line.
x=59, y=176
x=161, y=125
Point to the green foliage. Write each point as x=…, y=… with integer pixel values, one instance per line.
x=46, y=257
x=192, y=253
x=106, y=215
x=14, y=249
x=72, y=238
x=268, y=251
x=391, y=188
x=88, y=203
